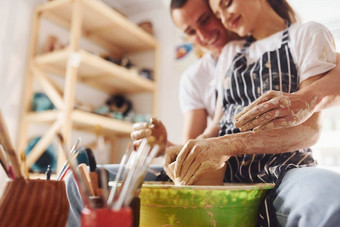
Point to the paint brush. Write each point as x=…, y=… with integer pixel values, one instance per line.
x=48, y=172
x=101, y=154
x=8, y=147
x=142, y=170
x=122, y=165
x=92, y=160
x=63, y=174
x=4, y=167
x=73, y=166
x=4, y=160
x=126, y=184
x=24, y=164
x=74, y=153
x=93, y=174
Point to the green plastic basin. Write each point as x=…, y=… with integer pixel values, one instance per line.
x=228, y=205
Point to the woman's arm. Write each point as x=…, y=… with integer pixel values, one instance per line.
x=210, y=154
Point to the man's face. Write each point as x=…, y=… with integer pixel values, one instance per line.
x=201, y=26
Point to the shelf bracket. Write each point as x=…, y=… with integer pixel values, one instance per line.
x=40, y=147
x=51, y=91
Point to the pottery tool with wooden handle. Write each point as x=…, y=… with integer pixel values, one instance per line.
x=93, y=173
x=6, y=143
x=84, y=173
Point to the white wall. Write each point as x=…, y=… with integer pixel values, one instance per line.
x=15, y=18
x=15, y=23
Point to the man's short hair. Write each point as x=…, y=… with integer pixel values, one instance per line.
x=175, y=4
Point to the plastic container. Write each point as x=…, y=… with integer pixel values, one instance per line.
x=228, y=205
x=105, y=217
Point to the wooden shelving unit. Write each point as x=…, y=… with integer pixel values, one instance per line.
x=96, y=72
x=95, y=21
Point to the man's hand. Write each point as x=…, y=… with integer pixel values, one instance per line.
x=275, y=109
x=198, y=157
x=155, y=128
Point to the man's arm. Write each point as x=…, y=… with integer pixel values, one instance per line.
x=195, y=122
x=213, y=129
x=327, y=89
x=277, y=109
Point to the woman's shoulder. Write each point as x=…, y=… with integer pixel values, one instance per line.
x=307, y=25
x=308, y=29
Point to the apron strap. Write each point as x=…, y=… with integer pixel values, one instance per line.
x=249, y=40
x=285, y=35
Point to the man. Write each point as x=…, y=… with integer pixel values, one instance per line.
x=197, y=89
x=197, y=86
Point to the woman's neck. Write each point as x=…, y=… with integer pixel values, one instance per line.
x=270, y=23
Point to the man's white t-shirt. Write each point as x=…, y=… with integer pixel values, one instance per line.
x=198, y=86
x=312, y=47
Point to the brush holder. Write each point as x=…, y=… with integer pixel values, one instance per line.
x=34, y=203
x=106, y=217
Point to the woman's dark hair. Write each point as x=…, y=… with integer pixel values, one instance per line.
x=283, y=9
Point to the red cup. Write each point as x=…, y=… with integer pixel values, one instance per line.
x=105, y=217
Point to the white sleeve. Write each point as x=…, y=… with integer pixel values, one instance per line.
x=189, y=96
x=316, y=50
x=221, y=70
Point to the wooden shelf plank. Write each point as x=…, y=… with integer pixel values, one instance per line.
x=85, y=121
x=88, y=121
x=47, y=116
x=101, y=25
x=97, y=72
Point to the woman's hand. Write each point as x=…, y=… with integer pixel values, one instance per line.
x=143, y=130
x=169, y=160
x=275, y=109
x=198, y=157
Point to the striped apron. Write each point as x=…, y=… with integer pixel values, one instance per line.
x=244, y=83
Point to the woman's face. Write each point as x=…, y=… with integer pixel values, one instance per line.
x=239, y=16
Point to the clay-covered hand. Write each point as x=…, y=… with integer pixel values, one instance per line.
x=155, y=128
x=275, y=109
x=198, y=157
x=169, y=160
